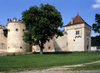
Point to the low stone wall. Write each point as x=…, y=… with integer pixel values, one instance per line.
x=16, y=53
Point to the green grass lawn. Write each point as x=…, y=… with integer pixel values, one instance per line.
x=46, y=60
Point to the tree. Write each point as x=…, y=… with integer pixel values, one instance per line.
x=41, y=24
x=95, y=41
x=96, y=26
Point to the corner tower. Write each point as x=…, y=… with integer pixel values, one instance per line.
x=78, y=35
x=15, y=41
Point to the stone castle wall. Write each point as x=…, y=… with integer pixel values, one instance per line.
x=48, y=47
x=3, y=40
x=11, y=39
x=75, y=42
x=72, y=42
x=87, y=38
x=60, y=43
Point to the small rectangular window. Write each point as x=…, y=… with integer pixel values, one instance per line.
x=77, y=32
x=9, y=30
x=48, y=40
x=49, y=47
x=23, y=30
x=20, y=47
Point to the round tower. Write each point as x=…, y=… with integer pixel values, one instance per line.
x=15, y=41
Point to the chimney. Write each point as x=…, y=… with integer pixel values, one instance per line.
x=72, y=20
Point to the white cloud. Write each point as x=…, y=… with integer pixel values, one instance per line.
x=97, y=5
x=97, y=1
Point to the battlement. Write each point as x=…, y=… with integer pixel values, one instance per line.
x=2, y=27
x=14, y=20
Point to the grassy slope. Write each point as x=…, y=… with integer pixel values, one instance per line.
x=46, y=60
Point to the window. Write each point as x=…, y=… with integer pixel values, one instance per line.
x=48, y=40
x=77, y=32
x=49, y=47
x=20, y=47
x=23, y=30
x=16, y=29
x=9, y=30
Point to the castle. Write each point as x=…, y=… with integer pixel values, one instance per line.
x=77, y=37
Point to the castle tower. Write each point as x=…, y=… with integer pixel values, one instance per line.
x=78, y=35
x=15, y=41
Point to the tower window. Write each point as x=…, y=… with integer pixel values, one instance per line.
x=23, y=29
x=77, y=32
x=16, y=29
x=9, y=30
x=20, y=47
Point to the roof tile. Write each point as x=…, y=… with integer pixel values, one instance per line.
x=76, y=20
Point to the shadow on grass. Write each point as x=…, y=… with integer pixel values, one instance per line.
x=53, y=53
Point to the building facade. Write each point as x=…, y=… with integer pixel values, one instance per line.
x=77, y=37
x=11, y=39
x=3, y=39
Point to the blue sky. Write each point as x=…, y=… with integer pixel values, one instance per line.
x=68, y=8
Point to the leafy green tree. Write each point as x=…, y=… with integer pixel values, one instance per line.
x=95, y=41
x=96, y=25
x=41, y=24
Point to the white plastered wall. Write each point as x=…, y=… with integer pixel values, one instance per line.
x=87, y=38
x=15, y=41
x=75, y=42
x=60, y=43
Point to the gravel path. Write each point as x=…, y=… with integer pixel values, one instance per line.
x=61, y=72
x=62, y=69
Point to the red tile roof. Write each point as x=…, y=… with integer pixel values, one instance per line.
x=76, y=20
